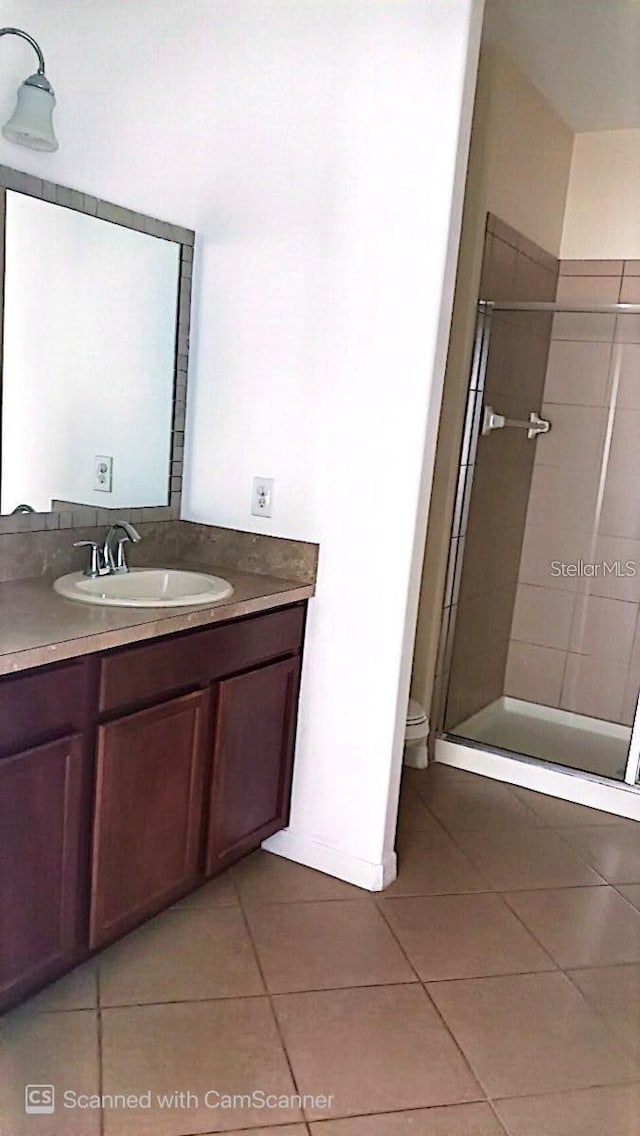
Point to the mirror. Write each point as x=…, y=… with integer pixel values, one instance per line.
x=89, y=360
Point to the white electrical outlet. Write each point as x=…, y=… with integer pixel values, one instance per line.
x=262, y=497
x=102, y=474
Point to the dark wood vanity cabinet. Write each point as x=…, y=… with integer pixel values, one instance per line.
x=41, y=900
x=128, y=779
x=252, y=743
x=148, y=809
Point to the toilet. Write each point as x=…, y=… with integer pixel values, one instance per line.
x=415, y=736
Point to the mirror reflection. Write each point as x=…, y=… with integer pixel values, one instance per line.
x=89, y=351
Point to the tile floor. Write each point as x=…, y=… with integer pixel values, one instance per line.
x=493, y=989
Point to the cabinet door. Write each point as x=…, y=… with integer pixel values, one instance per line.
x=252, y=760
x=40, y=870
x=148, y=813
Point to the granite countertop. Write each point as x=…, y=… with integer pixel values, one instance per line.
x=38, y=626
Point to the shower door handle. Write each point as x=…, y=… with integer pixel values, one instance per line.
x=534, y=424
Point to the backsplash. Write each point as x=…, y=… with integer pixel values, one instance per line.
x=50, y=552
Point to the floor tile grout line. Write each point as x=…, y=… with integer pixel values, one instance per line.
x=554, y=965
x=559, y=834
x=548, y=1093
x=557, y=966
x=616, y=888
x=101, y=1116
x=525, y=828
x=399, y=943
x=499, y=1120
x=476, y=1076
x=457, y=1044
x=602, y=965
x=594, y=1009
x=398, y=1111
x=541, y=821
x=431, y=1001
x=463, y=853
x=272, y=1008
x=619, y=1084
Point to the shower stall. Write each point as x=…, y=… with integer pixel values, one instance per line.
x=539, y=658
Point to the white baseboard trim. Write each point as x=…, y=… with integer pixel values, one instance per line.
x=530, y=773
x=313, y=854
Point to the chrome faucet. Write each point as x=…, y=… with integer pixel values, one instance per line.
x=110, y=558
x=113, y=553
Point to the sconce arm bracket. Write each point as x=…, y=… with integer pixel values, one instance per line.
x=29, y=39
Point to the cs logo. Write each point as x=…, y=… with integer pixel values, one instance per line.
x=39, y=1099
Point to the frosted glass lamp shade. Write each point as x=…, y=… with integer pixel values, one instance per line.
x=31, y=123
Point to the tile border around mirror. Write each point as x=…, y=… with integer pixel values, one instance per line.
x=89, y=516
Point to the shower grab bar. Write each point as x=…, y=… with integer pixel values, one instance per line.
x=534, y=424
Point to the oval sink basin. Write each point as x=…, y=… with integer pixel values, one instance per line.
x=145, y=587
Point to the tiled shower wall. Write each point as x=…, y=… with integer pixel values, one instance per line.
x=484, y=565
x=575, y=641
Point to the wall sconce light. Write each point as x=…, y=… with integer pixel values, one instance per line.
x=31, y=123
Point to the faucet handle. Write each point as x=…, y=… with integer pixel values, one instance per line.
x=94, y=566
x=120, y=559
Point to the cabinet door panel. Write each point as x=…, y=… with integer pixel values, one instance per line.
x=148, y=813
x=253, y=753
x=40, y=875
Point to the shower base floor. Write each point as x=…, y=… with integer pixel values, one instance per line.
x=558, y=736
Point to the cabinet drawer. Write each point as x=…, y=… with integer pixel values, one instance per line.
x=41, y=704
x=138, y=674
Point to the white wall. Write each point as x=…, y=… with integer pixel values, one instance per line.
x=602, y=218
x=313, y=146
x=88, y=358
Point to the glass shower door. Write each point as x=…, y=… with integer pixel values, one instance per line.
x=542, y=637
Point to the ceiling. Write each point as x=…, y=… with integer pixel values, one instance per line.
x=583, y=55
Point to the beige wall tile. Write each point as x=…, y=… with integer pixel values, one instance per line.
x=542, y=616
x=482, y=623
x=499, y=267
x=624, y=582
x=546, y=546
x=583, y=325
x=620, y=508
x=534, y=673
x=630, y=291
x=627, y=329
x=533, y=281
x=603, y=627
x=475, y=682
x=576, y=437
x=630, y=700
x=624, y=453
x=628, y=393
x=594, y=686
x=492, y=556
x=588, y=289
x=593, y=267
x=565, y=498
x=578, y=373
